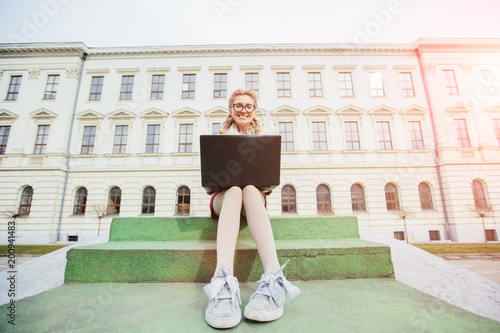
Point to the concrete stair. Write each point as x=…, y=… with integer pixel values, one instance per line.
x=182, y=249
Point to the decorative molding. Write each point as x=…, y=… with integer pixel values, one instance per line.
x=97, y=71
x=459, y=108
x=33, y=73
x=405, y=67
x=189, y=69
x=382, y=110
x=251, y=68
x=313, y=67
x=220, y=68
x=43, y=113
x=186, y=112
x=73, y=72
x=344, y=67
x=350, y=110
x=493, y=109
x=121, y=114
x=154, y=113
x=318, y=110
x=467, y=68
x=217, y=112
x=282, y=67
x=128, y=70
x=158, y=69
x=413, y=110
x=430, y=68
x=285, y=110
x=89, y=115
x=7, y=115
x=374, y=67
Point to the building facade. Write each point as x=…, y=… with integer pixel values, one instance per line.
x=379, y=131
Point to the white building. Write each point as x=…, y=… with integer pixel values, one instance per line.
x=117, y=129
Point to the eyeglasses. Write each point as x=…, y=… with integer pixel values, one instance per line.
x=239, y=107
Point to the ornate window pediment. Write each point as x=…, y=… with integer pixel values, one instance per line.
x=382, y=110
x=459, y=108
x=285, y=110
x=186, y=112
x=318, y=111
x=7, y=115
x=493, y=109
x=154, y=113
x=121, y=114
x=90, y=115
x=350, y=111
x=217, y=112
x=43, y=113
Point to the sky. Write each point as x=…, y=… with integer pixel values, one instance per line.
x=114, y=23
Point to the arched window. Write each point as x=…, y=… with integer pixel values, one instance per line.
x=424, y=191
x=80, y=201
x=288, y=203
x=114, y=200
x=323, y=199
x=479, y=194
x=391, y=197
x=183, y=201
x=26, y=197
x=148, y=200
x=358, y=198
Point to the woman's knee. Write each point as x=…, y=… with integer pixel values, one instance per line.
x=234, y=191
x=249, y=189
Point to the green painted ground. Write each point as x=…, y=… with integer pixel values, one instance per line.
x=362, y=305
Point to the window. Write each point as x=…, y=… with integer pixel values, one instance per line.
x=286, y=132
x=376, y=84
x=120, y=143
x=479, y=195
x=153, y=139
x=323, y=199
x=491, y=235
x=186, y=138
x=41, y=139
x=358, y=198
x=315, y=89
x=88, y=139
x=96, y=88
x=384, y=135
x=283, y=83
x=406, y=84
x=26, y=198
x=157, y=86
x=351, y=135
x=496, y=126
x=462, y=134
x=345, y=84
x=51, y=88
x=183, y=201
x=391, y=197
x=188, y=85
x=288, y=203
x=127, y=87
x=434, y=235
x=450, y=82
x=114, y=200
x=15, y=84
x=252, y=82
x=486, y=81
x=424, y=191
x=80, y=201
x=4, y=138
x=319, y=136
x=220, y=85
x=416, y=138
x=216, y=128
x=399, y=235
x=148, y=200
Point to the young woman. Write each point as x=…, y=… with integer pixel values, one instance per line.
x=266, y=304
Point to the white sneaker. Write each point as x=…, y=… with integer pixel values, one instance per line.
x=223, y=310
x=267, y=303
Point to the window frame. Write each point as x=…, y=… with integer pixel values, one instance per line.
x=450, y=82
x=220, y=86
x=191, y=86
x=155, y=142
x=96, y=95
x=41, y=140
x=425, y=196
x=320, y=143
x=80, y=203
x=342, y=83
x=463, y=141
x=281, y=84
x=377, y=88
x=384, y=137
x=392, y=201
x=285, y=135
x=317, y=85
x=122, y=147
x=323, y=200
x=127, y=87
x=51, y=87
x=183, y=208
x=479, y=194
x=358, y=198
x=288, y=199
x=148, y=208
x=4, y=138
x=416, y=143
x=14, y=88
x=347, y=142
x=114, y=201
x=407, y=86
x=157, y=88
x=186, y=138
x=88, y=140
x=249, y=84
x=26, y=201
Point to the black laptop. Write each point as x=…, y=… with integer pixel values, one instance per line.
x=240, y=160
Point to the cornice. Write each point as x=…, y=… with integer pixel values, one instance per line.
x=457, y=43
x=43, y=49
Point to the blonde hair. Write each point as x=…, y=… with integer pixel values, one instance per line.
x=254, y=125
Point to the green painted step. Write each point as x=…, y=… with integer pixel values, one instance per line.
x=204, y=228
x=362, y=305
x=183, y=249
x=194, y=261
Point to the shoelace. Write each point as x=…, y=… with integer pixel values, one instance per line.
x=271, y=283
x=224, y=280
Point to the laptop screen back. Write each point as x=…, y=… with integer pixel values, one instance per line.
x=240, y=160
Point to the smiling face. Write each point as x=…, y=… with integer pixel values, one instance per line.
x=243, y=119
